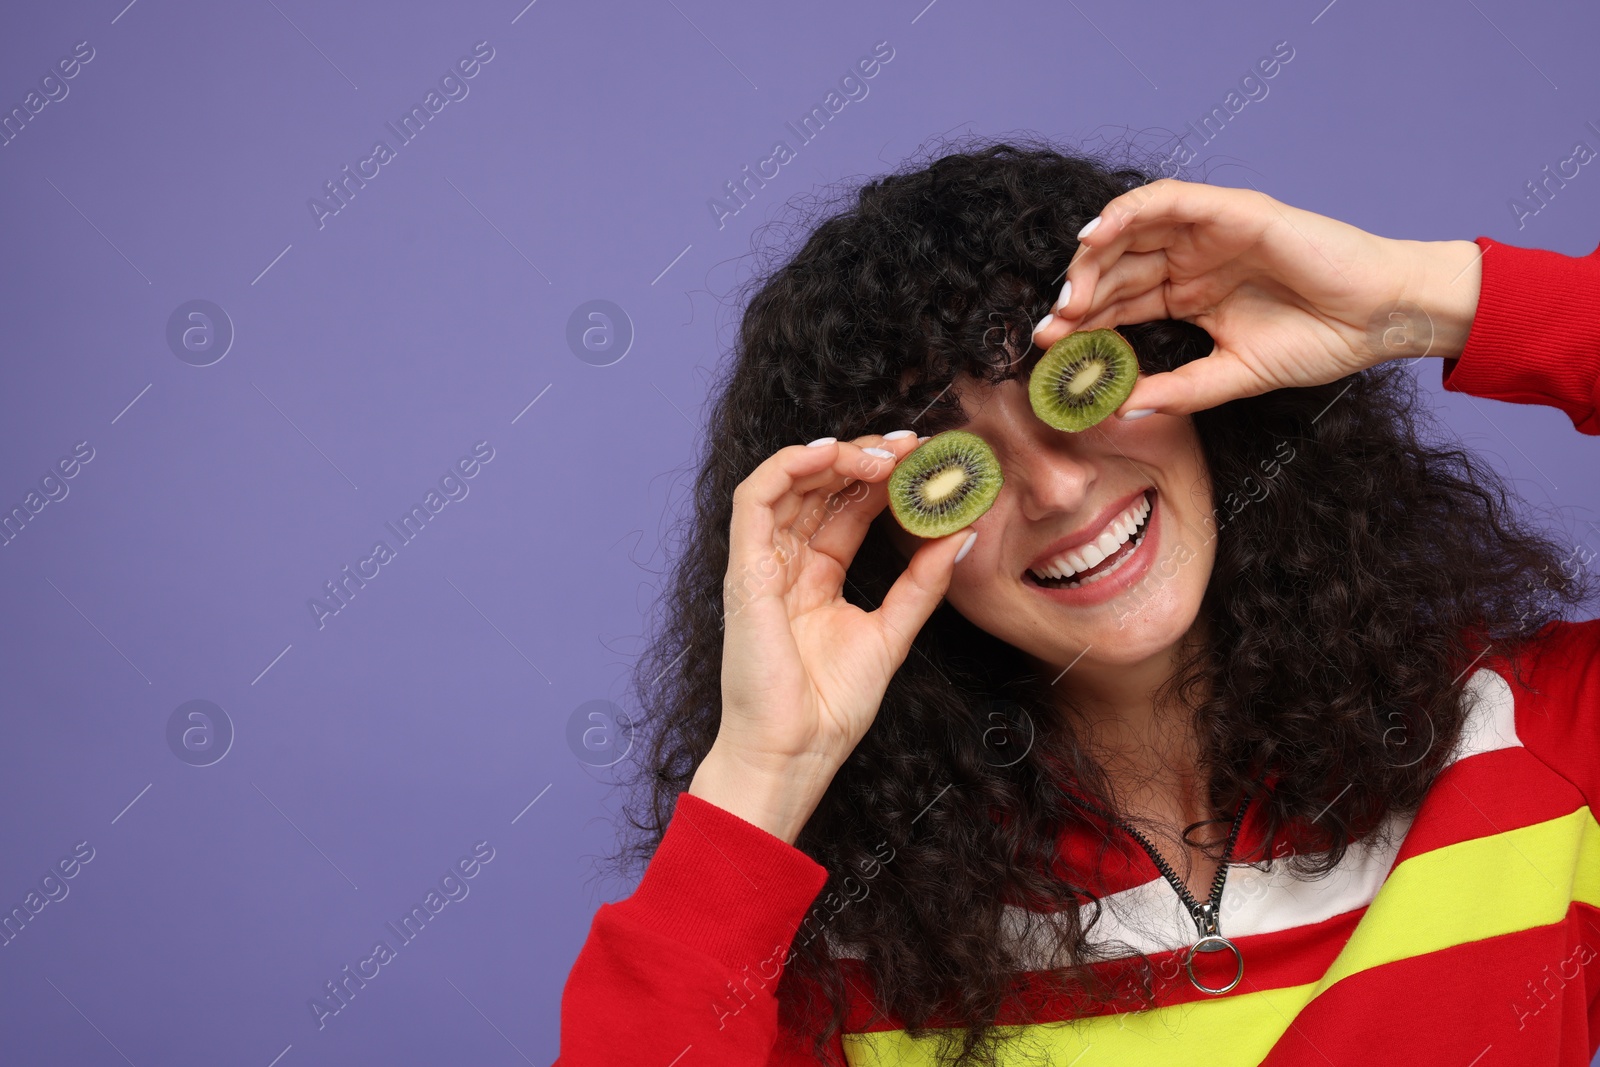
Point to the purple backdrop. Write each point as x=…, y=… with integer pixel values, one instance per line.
x=256, y=344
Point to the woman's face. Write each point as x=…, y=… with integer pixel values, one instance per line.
x=1063, y=492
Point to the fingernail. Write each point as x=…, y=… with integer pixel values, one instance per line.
x=1137, y=413
x=819, y=442
x=1088, y=227
x=1066, y=294
x=898, y=434
x=921, y=439
x=881, y=453
x=966, y=546
x=1042, y=323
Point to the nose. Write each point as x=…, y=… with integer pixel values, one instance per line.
x=1051, y=474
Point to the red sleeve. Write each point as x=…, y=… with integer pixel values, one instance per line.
x=692, y=959
x=1558, y=715
x=1535, y=338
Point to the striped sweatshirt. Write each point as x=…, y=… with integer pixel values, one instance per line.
x=1471, y=938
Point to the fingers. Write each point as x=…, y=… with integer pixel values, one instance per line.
x=1157, y=208
x=811, y=494
x=1195, y=386
x=1142, y=218
x=1134, y=289
x=837, y=525
x=1152, y=218
x=754, y=522
x=920, y=588
x=769, y=501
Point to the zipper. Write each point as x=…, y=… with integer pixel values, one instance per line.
x=1207, y=915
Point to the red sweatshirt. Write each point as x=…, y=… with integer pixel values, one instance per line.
x=1474, y=939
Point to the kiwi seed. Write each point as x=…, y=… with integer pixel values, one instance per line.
x=1084, y=377
x=944, y=484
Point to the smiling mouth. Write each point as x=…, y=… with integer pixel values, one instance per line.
x=1101, y=558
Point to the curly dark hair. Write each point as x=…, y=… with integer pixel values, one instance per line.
x=1343, y=610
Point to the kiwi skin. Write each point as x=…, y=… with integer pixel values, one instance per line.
x=1100, y=362
x=961, y=467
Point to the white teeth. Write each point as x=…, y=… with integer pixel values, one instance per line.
x=1117, y=533
x=1105, y=573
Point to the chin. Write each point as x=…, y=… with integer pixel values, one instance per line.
x=1142, y=630
x=1131, y=628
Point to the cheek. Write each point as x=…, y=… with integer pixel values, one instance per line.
x=1192, y=505
x=1189, y=557
x=986, y=550
x=975, y=583
x=1167, y=448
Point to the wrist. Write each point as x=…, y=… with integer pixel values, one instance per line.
x=777, y=799
x=1443, y=282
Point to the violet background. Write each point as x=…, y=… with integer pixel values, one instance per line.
x=433, y=711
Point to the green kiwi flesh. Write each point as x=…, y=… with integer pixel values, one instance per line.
x=1084, y=377
x=944, y=484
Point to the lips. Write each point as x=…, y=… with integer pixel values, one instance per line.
x=1112, y=577
x=1082, y=554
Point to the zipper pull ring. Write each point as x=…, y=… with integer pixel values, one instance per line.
x=1214, y=943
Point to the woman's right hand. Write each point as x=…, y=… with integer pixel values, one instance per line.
x=803, y=669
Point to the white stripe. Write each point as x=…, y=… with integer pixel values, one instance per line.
x=1491, y=717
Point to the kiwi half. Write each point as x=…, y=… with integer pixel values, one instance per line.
x=1084, y=377
x=944, y=484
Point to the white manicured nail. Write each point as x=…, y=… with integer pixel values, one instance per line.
x=1042, y=323
x=966, y=546
x=921, y=439
x=819, y=442
x=1137, y=413
x=898, y=434
x=881, y=453
x=1066, y=294
x=1088, y=227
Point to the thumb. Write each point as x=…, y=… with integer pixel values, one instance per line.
x=920, y=588
x=1200, y=384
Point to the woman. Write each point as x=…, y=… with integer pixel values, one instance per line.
x=1304, y=774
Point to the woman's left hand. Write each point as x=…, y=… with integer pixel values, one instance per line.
x=1290, y=297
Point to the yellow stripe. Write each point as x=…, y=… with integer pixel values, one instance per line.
x=1511, y=881
x=1516, y=880
x=1238, y=1029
